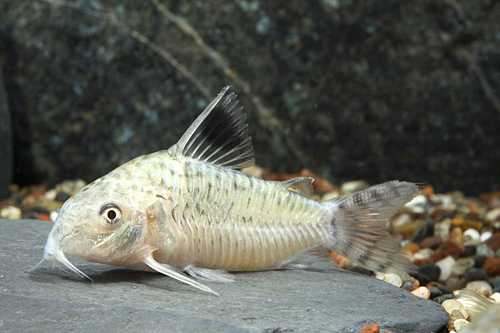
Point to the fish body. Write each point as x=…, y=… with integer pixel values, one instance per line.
x=188, y=211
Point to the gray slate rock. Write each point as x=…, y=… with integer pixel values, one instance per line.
x=126, y=300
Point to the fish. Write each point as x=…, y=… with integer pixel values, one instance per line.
x=189, y=213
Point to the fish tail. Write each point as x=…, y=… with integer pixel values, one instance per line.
x=359, y=222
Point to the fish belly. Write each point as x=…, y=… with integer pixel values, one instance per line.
x=224, y=219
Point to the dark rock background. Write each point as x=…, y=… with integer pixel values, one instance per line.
x=6, y=157
x=372, y=90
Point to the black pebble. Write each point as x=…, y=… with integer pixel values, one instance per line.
x=445, y=290
x=62, y=196
x=473, y=274
x=469, y=250
x=408, y=286
x=435, y=292
x=479, y=261
x=422, y=278
x=496, y=289
x=361, y=270
x=442, y=298
x=431, y=271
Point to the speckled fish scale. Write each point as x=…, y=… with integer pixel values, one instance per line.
x=238, y=222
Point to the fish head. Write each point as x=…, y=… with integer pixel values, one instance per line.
x=102, y=223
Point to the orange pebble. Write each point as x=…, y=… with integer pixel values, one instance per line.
x=342, y=261
x=44, y=217
x=373, y=328
x=428, y=191
x=421, y=262
x=412, y=247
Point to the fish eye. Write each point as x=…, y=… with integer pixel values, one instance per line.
x=111, y=214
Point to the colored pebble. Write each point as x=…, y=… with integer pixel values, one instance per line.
x=404, y=224
x=447, y=248
x=456, y=234
x=405, y=277
x=411, y=247
x=492, y=266
x=494, y=241
x=341, y=261
x=422, y=292
x=431, y=242
x=373, y=328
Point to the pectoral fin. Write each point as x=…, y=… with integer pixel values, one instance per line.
x=214, y=275
x=175, y=274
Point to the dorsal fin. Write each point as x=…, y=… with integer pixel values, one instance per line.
x=300, y=185
x=219, y=135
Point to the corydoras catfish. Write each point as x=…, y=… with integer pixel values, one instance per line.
x=187, y=212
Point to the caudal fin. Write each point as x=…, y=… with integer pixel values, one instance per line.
x=359, y=226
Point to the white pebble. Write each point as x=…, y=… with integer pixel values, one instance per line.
x=492, y=215
x=450, y=304
x=485, y=236
x=392, y=278
x=446, y=265
x=424, y=253
x=419, y=200
x=53, y=215
x=353, y=186
x=495, y=297
x=459, y=323
x=401, y=220
x=482, y=287
x=442, y=229
x=330, y=195
x=461, y=265
x=10, y=212
x=50, y=195
x=472, y=233
x=446, y=201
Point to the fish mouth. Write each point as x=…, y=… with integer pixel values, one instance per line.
x=55, y=255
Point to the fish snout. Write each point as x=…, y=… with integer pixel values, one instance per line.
x=53, y=253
